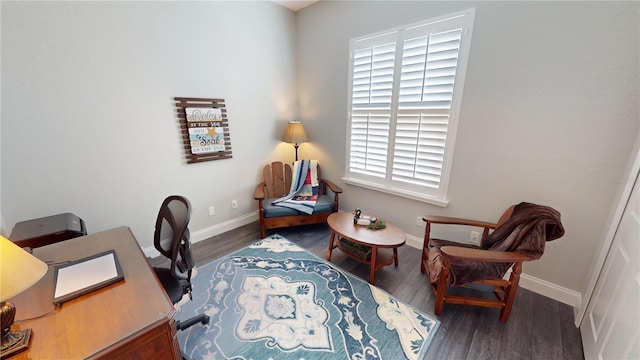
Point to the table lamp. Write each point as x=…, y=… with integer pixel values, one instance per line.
x=295, y=135
x=19, y=270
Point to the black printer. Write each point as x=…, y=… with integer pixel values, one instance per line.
x=47, y=230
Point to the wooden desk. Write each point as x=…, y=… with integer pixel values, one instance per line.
x=341, y=223
x=130, y=319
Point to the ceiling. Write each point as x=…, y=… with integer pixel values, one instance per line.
x=294, y=5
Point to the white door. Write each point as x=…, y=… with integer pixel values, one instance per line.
x=611, y=327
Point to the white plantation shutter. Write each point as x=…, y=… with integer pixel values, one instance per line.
x=429, y=63
x=406, y=86
x=372, y=90
x=419, y=148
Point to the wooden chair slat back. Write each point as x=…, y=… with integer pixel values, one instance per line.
x=266, y=176
x=277, y=177
x=287, y=179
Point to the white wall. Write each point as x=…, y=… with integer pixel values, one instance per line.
x=88, y=123
x=549, y=113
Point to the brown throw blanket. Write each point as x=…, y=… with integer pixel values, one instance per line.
x=526, y=231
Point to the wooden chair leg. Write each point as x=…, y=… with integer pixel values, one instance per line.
x=425, y=246
x=441, y=289
x=263, y=231
x=510, y=292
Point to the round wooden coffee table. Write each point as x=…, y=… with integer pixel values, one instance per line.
x=341, y=223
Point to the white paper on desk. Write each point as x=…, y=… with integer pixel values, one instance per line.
x=85, y=274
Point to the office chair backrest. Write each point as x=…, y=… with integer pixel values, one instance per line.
x=171, y=237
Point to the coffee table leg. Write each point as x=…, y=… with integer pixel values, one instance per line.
x=374, y=259
x=331, y=237
x=395, y=256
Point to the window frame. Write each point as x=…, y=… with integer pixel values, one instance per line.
x=433, y=195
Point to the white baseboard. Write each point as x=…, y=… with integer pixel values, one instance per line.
x=224, y=226
x=551, y=290
x=538, y=286
x=210, y=231
x=150, y=252
x=414, y=241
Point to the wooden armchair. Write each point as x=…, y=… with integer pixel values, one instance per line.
x=276, y=183
x=518, y=236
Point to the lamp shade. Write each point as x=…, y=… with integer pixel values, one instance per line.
x=295, y=133
x=19, y=270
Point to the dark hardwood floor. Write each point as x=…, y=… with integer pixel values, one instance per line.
x=538, y=328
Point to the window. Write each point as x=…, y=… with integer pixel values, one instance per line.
x=405, y=93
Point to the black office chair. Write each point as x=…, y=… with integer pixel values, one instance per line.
x=171, y=238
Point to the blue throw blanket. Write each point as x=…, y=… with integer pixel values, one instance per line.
x=303, y=194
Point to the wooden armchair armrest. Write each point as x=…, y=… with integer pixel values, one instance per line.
x=429, y=219
x=258, y=194
x=468, y=254
x=333, y=187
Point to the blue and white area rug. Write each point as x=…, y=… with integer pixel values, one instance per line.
x=274, y=300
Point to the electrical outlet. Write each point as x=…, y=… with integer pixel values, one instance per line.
x=234, y=204
x=475, y=237
x=212, y=210
x=419, y=221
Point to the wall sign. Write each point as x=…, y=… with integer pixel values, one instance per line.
x=205, y=128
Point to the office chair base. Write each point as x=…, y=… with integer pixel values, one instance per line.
x=202, y=318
